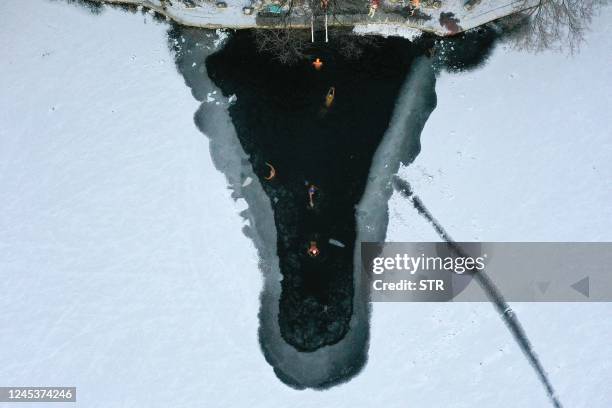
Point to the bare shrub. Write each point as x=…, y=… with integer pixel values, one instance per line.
x=556, y=24
x=352, y=46
x=289, y=45
x=286, y=45
x=93, y=6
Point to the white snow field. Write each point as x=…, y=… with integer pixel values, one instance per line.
x=124, y=270
x=519, y=150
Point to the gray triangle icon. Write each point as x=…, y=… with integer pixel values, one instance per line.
x=582, y=286
x=543, y=286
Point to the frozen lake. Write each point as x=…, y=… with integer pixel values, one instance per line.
x=126, y=272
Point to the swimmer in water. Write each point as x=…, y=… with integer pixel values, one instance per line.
x=313, y=251
x=311, y=192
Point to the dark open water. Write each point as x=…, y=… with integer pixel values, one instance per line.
x=281, y=118
x=314, y=328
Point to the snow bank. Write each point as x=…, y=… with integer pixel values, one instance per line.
x=387, y=30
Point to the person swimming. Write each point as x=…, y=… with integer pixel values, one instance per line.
x=329, y=97
x=313, y=250
x=312, y=189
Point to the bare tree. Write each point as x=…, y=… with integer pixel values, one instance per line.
x=285, y=44
x=282, y=41
x=559, y=24
x=94, y=7
x=288, y=44
x=352, y=46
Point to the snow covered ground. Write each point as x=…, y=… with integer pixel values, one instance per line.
x=519, y=150
x=124, y=270
x=483, y=12
x=204, y=13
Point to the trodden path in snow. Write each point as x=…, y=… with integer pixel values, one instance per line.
x=496, y=297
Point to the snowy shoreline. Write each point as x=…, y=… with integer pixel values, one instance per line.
x=207, y=15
